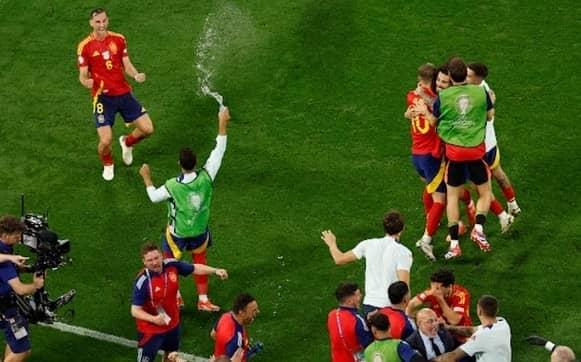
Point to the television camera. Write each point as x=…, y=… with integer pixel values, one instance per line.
x=51, y=253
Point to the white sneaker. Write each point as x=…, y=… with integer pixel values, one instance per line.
x=505, y=223
x=108, y=172
x=127, y=152
x=513, y=208
x=427, y=249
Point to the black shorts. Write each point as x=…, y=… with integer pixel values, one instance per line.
x=458, y=172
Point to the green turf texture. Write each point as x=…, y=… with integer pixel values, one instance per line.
x=317, y=140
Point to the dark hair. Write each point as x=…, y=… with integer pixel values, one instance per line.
x=147, y=247
x=241, y=301
x=489, y=305
x=379, y=321
x=457, y=69
x=427, y=72
x=187, y=159
x=345, y=290
x=444, y=276
x=392, y=222
x=441, y=69
x=96, y=11
x=11, y=225
x=397, y=292
x=479, y=69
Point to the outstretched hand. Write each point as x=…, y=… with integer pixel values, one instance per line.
x=536, y=340
x=329, y=238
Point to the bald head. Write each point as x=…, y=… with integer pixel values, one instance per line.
x=563, y=354
x=427, y=321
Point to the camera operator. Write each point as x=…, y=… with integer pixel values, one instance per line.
x=13, y=324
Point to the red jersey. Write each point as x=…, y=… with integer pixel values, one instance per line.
x=230, y=335
x=154, y=291
x=425, y=139
x=459, y=302
x=105, y=61
x=348, y=333
x=399, y=325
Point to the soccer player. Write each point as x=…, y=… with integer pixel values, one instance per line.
x=399, y=296
x=348, y=332
x=461, y=112
x=102, y=60
x=190, y=196
x=427, y=154
x=154, y=303
x=489, y=342
x=386, y=260
x=385, y=347
x=477, y=73
x=229, y=332
x=449, y=300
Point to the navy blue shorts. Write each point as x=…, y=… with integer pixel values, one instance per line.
x=175, y=245
x=492, y=158
x=106, y=107
x=430, y=169
x=16, y=345
x=149, y=344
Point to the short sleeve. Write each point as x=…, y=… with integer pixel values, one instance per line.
x=139, y=296
x=360, y=249
x=405, y=259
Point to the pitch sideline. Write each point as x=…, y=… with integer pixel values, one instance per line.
x=80, y=331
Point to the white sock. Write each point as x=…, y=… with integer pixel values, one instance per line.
x=203, y=297
x=427, y=239
x=478, y=228
x=454, y=244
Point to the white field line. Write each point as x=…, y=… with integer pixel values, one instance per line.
x=80, y=331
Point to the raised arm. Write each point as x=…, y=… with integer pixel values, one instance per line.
x=215, y=160
x=338, y=256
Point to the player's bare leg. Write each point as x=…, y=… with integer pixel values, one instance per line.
x=143, y=129
x=105, y=134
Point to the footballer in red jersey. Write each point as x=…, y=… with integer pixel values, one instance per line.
x=229, y=332
x=154, y=302
x=427, y=154
x=450, y=301
x=103, y=61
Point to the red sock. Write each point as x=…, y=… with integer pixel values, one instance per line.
x=434, y=217
x=508, y=193
x=107, y=159
x=201, y=280
x=466, y=197
x=428, y=201
x=496, y=207
x=130, y=140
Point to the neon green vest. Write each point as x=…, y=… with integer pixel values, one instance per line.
x=382, y=351
x=463, y=115
x=189, y=206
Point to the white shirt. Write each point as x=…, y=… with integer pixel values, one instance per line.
x=490, y=343
x=212, y=166
x=490, y=139
x=430, y=353
x=383, y=258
